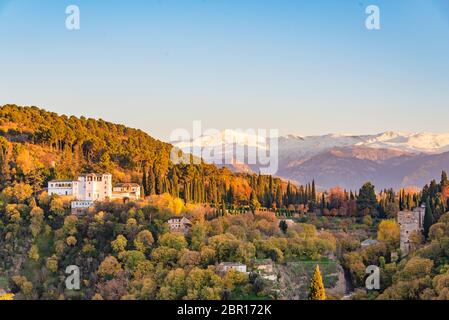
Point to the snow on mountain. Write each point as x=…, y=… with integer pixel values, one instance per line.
x=296, y=147
x=392, y=159
x=416, y=142
x=228, y=144
x=407, y=142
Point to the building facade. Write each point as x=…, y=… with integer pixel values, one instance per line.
x=369, y=242
x=95, y=187
x=265, y=269
x=410, y=222
x=126, y=191
x=92, y=187
x=63, y=188
x=179, y=224
x=227, y=266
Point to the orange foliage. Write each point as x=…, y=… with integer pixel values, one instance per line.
x=242, y=189
x=445, y=193
x=336, y=197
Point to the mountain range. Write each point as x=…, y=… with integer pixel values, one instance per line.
x=389, y=159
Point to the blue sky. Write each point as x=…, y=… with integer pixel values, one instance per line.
x=304, y=67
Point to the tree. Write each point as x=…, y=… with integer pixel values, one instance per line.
x=444, y=179
x=18, y=193
x=7, y=296
x=36, y=221
x=316, y=288
x=389, y=232
x=428, y=218
x=33, y=253
x=110, y=267
x=173, y=240
x=198, y=235
x=165, y=255
x=391, y=209
x=52, y=263
x=148, y=290
x=367, y=201
x=131, y=258
x=119, y=244
x=174, y=286
x=234, y=278
x=203, y=285
x=71, y=241
x=283, y=226
x=143, y=241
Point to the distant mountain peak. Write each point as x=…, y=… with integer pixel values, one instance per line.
x=389, y=157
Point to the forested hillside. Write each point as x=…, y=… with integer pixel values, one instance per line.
x=37, y=146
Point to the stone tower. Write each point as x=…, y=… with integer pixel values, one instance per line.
x=409, y=222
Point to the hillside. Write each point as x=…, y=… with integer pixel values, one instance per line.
x=344, y=168
x=71, y=145
x=37, y=146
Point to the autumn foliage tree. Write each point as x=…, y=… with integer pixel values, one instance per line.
x=316, y=287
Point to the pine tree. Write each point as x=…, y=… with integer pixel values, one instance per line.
x=316, y=288
x=366, y=201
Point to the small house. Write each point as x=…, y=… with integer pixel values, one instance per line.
x=369, y=242
x=224, y=267
x=179, y=224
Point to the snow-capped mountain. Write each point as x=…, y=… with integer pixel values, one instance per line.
x=416, y=142
x=390, y=159
x=406, y=142
x=225, y=143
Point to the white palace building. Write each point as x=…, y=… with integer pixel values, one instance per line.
x=92, y=187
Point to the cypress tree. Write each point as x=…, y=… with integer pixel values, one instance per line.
x=428, y=218
x=444, y=179
x=313, y=191
x=316, y=288
x=323, y=203
x=144, y=182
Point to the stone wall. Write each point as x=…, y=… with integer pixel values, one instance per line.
x=409, y=223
